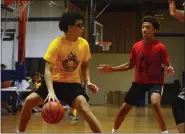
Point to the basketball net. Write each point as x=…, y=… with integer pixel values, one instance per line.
x=18, y=5
x=104, y=45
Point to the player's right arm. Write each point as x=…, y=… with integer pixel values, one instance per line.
x=50, y=57
x=49, y=82
x=124, y=67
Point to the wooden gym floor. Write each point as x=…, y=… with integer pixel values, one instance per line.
x=139, y=120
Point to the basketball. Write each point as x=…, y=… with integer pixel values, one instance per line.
x=6, y=84
x=52, y=112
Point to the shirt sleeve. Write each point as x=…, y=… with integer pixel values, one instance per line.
x=87, y=52
x=165, y=57
x=51, y=54
x=133, y=54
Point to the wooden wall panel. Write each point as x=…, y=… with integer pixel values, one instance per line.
x=121, y=28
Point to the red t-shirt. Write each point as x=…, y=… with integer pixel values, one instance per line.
x=149, y=59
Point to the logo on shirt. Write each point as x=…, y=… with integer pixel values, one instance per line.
x=144, y=65
x=71, y=63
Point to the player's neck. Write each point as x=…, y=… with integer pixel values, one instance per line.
x=70, y=37
x=148, y=40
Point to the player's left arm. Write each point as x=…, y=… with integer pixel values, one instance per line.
x=166, y=61
x=86, y=77
x=84, y=65
x=165, y=57
x=85, y=72
x=85, y=69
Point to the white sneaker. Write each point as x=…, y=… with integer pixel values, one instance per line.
x=66, y=108
x=114, y=131
x=72, y=117
x=165, y=131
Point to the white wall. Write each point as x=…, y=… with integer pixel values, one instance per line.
x=38, y=37
x=109, y=82
x=40, y=34
x=9, y=48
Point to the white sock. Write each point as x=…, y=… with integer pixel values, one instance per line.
x=114, y=131
x=18, y=131
x=165, y=131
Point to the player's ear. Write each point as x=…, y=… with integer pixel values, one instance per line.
x=156, y=31
x=69, y=28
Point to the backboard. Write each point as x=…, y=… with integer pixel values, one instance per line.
x=98, y=32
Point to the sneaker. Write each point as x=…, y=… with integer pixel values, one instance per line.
x=114, y=131
x=72, y=117
x=66, y=108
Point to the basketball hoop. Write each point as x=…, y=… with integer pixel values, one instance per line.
x=104, y=45
x=18, y=5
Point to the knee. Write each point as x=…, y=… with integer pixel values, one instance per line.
x=155, y=103
x=155, y=99
x=84, y=109
x=81, y=105
x=29, y=102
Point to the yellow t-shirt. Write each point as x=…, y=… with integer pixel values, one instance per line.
x=67, y=58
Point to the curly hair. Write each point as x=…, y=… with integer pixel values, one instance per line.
x=152, y=20
x=67, y=19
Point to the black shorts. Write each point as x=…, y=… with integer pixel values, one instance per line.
x=65, y=92
x=178, y=109
x=137, y=90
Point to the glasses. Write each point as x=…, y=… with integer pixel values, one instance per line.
x=79, y=25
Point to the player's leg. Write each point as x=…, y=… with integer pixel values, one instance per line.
x=178, y=109
x=34, y=99
x=31, y=101
x=124, y=110
x=155, y=92
x=76, y=97
x=181, y=127
x=81, y=105
x=132, y=99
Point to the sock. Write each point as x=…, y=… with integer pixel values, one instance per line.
x=114, y=131
x=165, y=131
x=74, y=112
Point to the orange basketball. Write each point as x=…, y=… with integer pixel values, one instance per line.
x=52, y=112
x=6, y=84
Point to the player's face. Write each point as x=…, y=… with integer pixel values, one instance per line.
x=78, y=28
x=148, y=30
x=34, y=78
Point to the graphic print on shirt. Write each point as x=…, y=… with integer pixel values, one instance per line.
x=144, y=65
x=71, y=63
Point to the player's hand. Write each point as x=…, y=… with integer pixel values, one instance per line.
x=170, y=70
x=104, y=68
x=172, y=7
x=92, y=87
x=51, y=97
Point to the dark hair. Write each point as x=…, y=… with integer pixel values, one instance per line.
x=152, y=20
x=37, y=74
x=67, y=19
